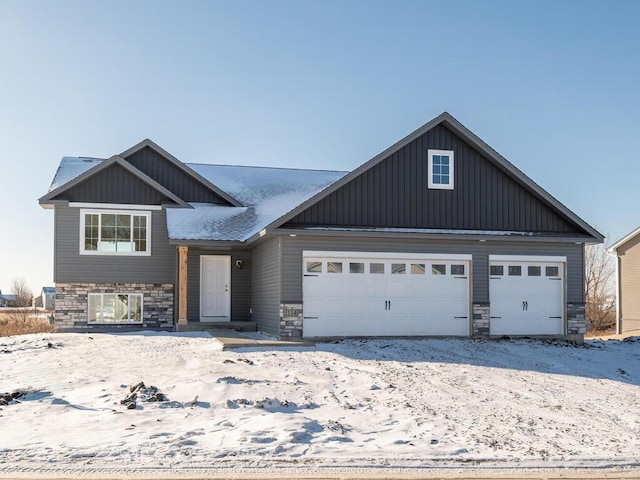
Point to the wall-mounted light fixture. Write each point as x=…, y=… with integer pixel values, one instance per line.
x=238, y=263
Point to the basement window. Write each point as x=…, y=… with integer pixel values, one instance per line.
x=440, y=169
x=115, y=308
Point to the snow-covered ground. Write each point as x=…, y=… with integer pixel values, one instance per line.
x=390, y=404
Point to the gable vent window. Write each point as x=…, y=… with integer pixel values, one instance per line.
x=107, y=232
x=440, y=169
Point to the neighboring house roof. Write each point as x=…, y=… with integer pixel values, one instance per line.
x=8, y=297
x=623, y=240
x=49, y=290
x=448, y=120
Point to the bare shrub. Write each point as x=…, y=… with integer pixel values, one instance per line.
x=600, y=299
x=12, y=325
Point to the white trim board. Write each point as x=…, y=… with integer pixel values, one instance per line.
x=114, y=206
x=391, y=255
x=527, y=258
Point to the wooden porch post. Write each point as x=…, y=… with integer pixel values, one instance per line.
x=182, y=282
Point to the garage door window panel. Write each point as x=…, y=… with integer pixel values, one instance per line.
x=334, y=267
x=314, y=267
x=534, y=271
x=438, y=269
x=551, y=271
x=417, y=268
x=398, y=268
x=356, y=267
x=496, y=270
x=457, y=269
x=515, y=270
x=376, y=268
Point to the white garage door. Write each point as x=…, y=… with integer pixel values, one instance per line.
x=526, y=297
x=360, y=294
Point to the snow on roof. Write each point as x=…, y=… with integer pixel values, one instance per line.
x=267, y=193
x=70, y=168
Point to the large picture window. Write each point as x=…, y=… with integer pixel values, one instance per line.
x=115, y=308
x=115, y=232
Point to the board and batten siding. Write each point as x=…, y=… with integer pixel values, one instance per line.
x=71, y=267
x=629, y=278
x=292, y=248
x=114, y=185
x=266, y=281
x=173, y=178
x=394, y=193
x=240, y=283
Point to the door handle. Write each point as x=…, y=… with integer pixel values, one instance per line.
x=389, y=304
x=523, y=306
x=526, y=305
x=386, y=305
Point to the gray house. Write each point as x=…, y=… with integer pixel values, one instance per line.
x=437, y=235
x=627, y=252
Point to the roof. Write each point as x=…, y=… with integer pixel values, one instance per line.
x=267, y=193
x=623, y=240
x=9, y=297
x=49, y=290
x=448, y=120
x=265, y=198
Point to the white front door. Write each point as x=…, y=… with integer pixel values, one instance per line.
x=215, y=288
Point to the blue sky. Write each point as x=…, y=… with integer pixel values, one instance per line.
x=553, y=86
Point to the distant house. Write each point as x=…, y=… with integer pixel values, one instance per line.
x=8, y=300
x=48, y=297
x=437, y=235
x=627, y=252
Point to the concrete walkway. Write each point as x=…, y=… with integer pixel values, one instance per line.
x=230, y=339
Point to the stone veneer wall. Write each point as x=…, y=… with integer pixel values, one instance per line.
x=290, y=320
x=481, y=319
x=72, y=305
x=576, y=319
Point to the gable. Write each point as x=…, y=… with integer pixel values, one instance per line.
x=393, y=193
x=114, y=184
x=174, y=179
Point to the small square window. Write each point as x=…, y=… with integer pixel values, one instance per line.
x=356, y=267
x=496, y=270
x=314, y=267
x=417, y=268
x=457, y=269
x=533, y=271
x=438, y=269
x=515, y=270
x=376, y=268
x=398, y=268
x=440, y=164
x=334, y=267
x=551, y=271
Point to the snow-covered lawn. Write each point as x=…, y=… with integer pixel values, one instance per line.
x=391, y=404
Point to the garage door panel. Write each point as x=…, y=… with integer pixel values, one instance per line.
x=386, y=297
x=526, y=298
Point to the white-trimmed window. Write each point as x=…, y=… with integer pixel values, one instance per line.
x=115, y=308
x=440, y=169
x=115, y=232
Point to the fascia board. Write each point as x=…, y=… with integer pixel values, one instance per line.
x=182, y=166
x=623, y=240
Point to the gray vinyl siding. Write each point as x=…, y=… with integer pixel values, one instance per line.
x=71, y=267
x=394, y=193
x=629, y=274
x=240, y=284
x=173, y=178
x=114, y=185
x=292, y=248
x=266, y=280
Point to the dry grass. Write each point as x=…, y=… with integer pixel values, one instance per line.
x=21, y=321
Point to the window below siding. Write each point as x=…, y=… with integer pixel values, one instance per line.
x=115, y=232
x=440, y=169
x=115, y=308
